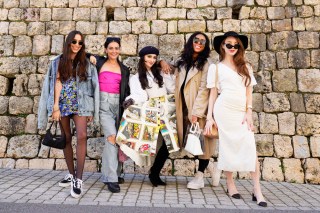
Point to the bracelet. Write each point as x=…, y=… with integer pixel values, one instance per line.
x=56, y=110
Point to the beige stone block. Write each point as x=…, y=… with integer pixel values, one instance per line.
x=15, y=14
x=203, y=3
x=268, y=123
x=263, y=82
x=35, y=104
x=31, y=14
x=308, y=124
x=282, y=40
x=62, y=14
x=258, y=13
x=308, y=40
x=94, y=44
x=41, y=164
x=98, y=14
x=276, y=12
x=291, y=12
x=255, y=26
x=305, y=11
x=315, y=58
x=3, y=14
x=28, y=65
x=11, y=125
x=312, y=168
x=3, y=145
x=126, y=44
x=81, y=14
x=4, y=85
x=147, y=40
x=167, y=168
x=184, y=167
x=20, y=105
x=142, y=170
x=317, y=10
x=309, y=80
x=129, y=3
x=282, y=25
x=172, y=13
x=128, y=166
x=214, y=26
x=6, y=45
x=312, y=103
x=219, y=3
x=43, y=64
x=224, y=13
x=7, y=163
x=90, y=3
x=172, y=27
x=256, y=124
x=258, y=42
x=102, y=28
x=139, y=27
x=36, y=28
x=201, y=14
x=191, y=25
x=17, y=28
x=57, y=3
x=312, y=24
x=297, y=103
x=61, y=164
x=144, y=3
x=10, y=3
x=120, y=14
x=314, y=146
x=65, y=27
x=263, y=2
x=4, y=103
x=41, y=45
x=257, y=102
x=296, y=2
x=86, y=27
x=22, y=164
x=4, y=28
x=31, y=124
x=293, y=171
x=44, y=151
x=244, y=175
x=286, y=123
x=299, y=58
x=119, y=27
x=272, y=170
x=284, y=80
x=37, y=3
x=57, y=44
x=52, y=28
x=244, y=12
x=231, y=25
x=267, y=61
x=23, y=146
x=276, y=102
x=276, y=3
x=56, y=153
x=159, y=27
x=151, y=14
x=95, y=147
x=91, y=166
x=159, y=3
x=264, y=144
x=136, y=13
x=186, y=3
x=171, y=44
x=282, y=60
x=282, y=146
x=45, y=14
x=9, y=66
x=301, y=147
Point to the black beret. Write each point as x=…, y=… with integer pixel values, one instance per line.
x=148, y=50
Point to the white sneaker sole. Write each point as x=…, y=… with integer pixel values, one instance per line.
x=195, y=186
x=64, y=184
x=74, y=194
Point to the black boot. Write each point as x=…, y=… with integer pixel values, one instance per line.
x=159, y=162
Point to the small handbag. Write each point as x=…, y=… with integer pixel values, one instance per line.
x=214, y=131
x=193, y=143
x=54, y=140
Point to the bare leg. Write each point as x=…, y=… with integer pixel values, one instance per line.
x=68, y=152
x=256, y=183
x=230, y=184
x=81, y=128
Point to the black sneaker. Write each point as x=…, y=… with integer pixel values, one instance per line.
x=66, y=181
x=76, y=188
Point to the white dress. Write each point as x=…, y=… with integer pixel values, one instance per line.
x=237, y=148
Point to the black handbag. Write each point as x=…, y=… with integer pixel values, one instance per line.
x=54, y=140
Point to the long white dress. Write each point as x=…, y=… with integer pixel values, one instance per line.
x=237, y=148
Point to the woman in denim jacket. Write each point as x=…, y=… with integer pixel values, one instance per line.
x=71, y=91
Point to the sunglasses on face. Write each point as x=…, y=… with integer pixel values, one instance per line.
x=75, y=42
x=230, y=46
x=199, y=41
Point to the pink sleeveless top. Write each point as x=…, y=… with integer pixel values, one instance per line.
x=109, y=82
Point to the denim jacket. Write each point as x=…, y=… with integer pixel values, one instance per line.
x=87, y=94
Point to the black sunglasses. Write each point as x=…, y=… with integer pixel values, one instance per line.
x=75, y=42
x=230, y=46
x=199, y=41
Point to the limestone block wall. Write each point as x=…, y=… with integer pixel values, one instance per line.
x=283, y=49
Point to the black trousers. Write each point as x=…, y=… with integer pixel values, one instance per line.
x=160, y=159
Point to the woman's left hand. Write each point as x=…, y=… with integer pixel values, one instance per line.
x=165, y=67
x=89, y=119
x=248, y=119
x=194, y=119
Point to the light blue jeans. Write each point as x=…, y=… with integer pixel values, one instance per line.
x=109, y=110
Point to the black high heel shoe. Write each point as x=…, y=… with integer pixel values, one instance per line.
x=153, y=180
x=262, y=203
x=160, y=182
x=235, y=196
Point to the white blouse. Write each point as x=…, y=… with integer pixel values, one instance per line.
x=140, y=95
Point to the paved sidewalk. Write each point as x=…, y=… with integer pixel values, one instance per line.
x=41, y=187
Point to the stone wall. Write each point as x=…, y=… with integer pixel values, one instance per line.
x=283, y=49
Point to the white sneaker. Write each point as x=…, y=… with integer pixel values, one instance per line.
x=197, y=182
x=76, y=188
x=66, y=181
x=215, y=173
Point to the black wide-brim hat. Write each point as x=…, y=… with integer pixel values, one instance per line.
x=219, y=39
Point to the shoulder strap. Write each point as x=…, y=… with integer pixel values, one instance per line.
x=216, y=81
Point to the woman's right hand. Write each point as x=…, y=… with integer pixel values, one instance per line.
x=56, y=115
x=93, y=60
x=208, y=127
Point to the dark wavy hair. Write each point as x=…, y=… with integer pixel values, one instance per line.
x=186, y=57
x=67, y=68
x=142, y=71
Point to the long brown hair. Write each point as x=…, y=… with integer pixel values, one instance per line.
x=142, y=70
x=68, y=68
x=239, y=61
